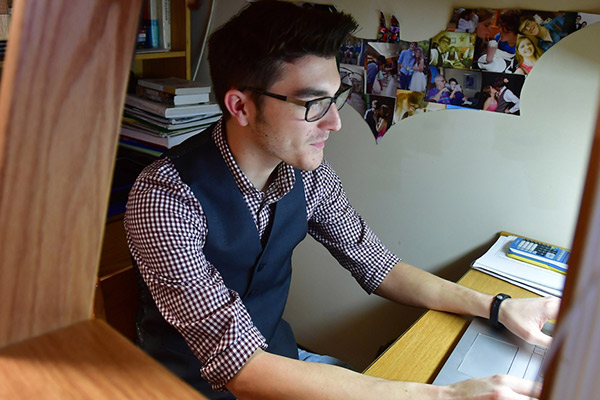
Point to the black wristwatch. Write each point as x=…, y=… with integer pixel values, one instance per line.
x=495, y=309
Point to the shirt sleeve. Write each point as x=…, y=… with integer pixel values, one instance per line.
x=336, y=224
x=166, y=232
x=512, y=98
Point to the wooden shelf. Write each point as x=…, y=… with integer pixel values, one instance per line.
x=86, y=360
x=175, y=62
x=160, y=55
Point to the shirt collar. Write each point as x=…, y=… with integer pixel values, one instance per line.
x=283, y=182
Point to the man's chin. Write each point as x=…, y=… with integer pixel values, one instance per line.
x=310, y=165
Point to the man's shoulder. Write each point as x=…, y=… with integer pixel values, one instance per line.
x=160, y=173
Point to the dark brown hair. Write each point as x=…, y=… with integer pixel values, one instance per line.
x=250, y=49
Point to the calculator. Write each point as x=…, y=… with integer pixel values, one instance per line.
x=540, y=254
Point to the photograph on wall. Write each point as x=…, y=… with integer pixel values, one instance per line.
x=485, y=29
x=380, y=114
x=463, y=20
x=497, y=52
x=413, y=62
x=452, y=50
x=546, y=28
x=462, y=87
x=502, y=92
x=352, y=72
x=446, y=88
x=353, y=75
x=381, y=62
x=527, y=53
x=584, y=19
x=409, y=103
x=352, y=51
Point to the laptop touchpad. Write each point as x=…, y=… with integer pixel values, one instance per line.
x=488, y=356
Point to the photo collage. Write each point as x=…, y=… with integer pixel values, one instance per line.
x=480, y=61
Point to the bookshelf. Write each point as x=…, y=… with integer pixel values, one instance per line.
x=175, y=62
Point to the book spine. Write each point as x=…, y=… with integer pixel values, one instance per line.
x=156, y=95
x=166, y=24
x=147, y=105
x=144, y=137
x=152, y=26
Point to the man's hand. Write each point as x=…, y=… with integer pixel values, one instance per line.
x=495, y=387
x=526, y=317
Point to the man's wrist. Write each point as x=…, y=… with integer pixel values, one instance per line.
x=495, y=309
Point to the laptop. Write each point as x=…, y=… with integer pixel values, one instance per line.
x=485, y=351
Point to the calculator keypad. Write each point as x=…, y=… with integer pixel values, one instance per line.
x=542, y=250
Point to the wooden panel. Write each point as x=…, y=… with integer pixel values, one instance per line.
x=61, y=98
x=85, y=361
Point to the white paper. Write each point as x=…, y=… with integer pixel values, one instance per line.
x=539, y=280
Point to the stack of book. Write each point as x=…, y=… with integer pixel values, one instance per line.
x=165, y=112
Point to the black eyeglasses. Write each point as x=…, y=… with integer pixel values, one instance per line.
x=315, y=109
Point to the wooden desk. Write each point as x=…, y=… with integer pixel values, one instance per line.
x=420, y=352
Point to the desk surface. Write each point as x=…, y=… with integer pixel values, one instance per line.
x=421, y=351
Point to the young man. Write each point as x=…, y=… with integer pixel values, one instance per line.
x=212, y=226
x=456, y=95
x=406, y=62
x=508, y=102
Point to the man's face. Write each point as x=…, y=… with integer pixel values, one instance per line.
x=440, y=82
x=412, y=47
x=452, y=85
x=443, y=44
x=529, y=27
x=280, y=130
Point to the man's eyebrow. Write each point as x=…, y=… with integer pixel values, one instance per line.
x=311, y=92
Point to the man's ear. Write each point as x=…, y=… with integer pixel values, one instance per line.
x=238, y=104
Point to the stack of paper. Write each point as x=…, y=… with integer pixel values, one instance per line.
x=536, y=279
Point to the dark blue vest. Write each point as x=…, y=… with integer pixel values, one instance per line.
x=260, y=273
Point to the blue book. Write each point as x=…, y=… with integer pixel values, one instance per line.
x=152, y=24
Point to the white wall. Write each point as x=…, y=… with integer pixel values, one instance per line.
x=440, y=186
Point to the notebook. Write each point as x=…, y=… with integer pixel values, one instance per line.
x=485, y=351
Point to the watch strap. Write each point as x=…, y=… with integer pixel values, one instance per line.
x=495, y=309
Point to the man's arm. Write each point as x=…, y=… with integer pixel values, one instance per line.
x=166, y=231
x=512, y=98
x=266, y=376
x=409, y=285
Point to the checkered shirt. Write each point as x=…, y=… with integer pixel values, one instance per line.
x=166, y=232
